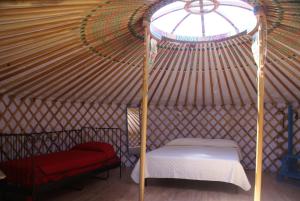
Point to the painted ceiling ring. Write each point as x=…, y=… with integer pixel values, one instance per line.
x=275, y=4
x=95, y=28
x=144, y=12
x=141, y=14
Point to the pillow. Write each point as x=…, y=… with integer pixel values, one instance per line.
x=97, y=146
x=203, y=142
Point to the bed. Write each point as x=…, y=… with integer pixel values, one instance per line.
x=33, y=162
x=196, y=159
x=46, y=168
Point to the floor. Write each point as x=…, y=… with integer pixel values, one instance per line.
x=115, y=189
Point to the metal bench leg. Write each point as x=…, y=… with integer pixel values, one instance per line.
x=102, y=178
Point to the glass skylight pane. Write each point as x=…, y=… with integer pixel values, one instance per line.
x=216, y=25
x=238, y=17
x=168, y=22
x=171, y=7
x=185, y=28
x=182, y=20
x=235, y=3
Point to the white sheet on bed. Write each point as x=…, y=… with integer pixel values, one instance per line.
x=209, y=160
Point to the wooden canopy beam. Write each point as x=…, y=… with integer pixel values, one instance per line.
x=260, y=57
x=144, y=114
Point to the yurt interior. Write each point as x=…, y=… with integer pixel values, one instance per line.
x=149, y=100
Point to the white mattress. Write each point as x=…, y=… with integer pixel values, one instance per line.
x=196, y=159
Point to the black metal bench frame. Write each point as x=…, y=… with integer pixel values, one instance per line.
x=19, y=146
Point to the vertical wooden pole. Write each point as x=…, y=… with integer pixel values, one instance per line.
x=144, y=114
x=260, y=104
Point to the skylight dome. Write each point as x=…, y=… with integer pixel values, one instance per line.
x=202, y=20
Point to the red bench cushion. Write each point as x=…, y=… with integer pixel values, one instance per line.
x=97, y=146
x=55, y=166
x=52, y=167
x=68, y=160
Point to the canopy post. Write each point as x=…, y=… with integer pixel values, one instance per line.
x=262, y=30
x=144, y=114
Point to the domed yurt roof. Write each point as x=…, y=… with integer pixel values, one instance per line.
x=93, y=51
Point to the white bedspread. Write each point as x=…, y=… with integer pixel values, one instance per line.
x=196, y=159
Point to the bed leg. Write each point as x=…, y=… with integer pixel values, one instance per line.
x=120, y=173
x=76, y=188
x=146, y=182
x=29, y=198
x=2, y=191
x=102, y=178
x=32, y=195
x=236, y=190
x=2, y=195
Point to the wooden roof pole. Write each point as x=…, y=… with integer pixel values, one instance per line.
x=260, y=60
x=144, y=114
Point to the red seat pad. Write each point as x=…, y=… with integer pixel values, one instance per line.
x=20, y=172
x=113, y=162
x=68, y=160
x=52, y=167
x=74, y=172
x=108, y=149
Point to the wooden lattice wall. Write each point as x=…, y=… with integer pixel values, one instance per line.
x=230, y=122
x=36, y=116
x=27, y=116
x=165, y=124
